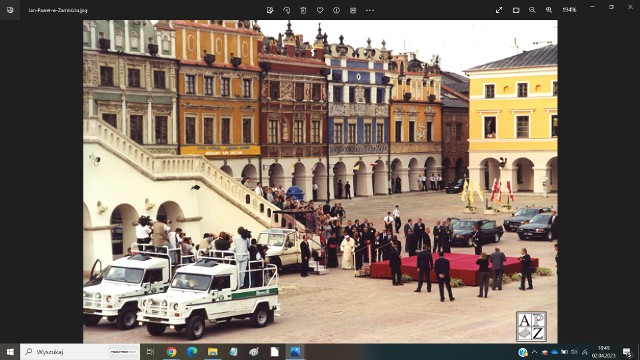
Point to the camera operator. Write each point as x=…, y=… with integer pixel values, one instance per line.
x=143, y=230
x=159, y=235
x=241, y=242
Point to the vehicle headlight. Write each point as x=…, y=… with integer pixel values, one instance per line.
x=164, y=303
x=525, y=222
x=144, y=302
x=539, y=230
x=84, y=294
x=175, y=306
x=108, y=298
x=98, y=295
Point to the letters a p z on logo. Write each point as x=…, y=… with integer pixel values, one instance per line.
x=531, y=326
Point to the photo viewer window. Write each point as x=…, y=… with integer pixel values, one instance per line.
x=300, y=124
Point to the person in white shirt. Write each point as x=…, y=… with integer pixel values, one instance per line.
x=259, y=191
x=388, y=221
x=396, y=217
x=241, y=243
x=432, y=180
x=143, y=232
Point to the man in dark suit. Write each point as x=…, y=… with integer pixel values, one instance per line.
x=411, y=244
x=387, y=239
x=425, y=264
x=437, y=244
x=305, y=253
x=394, y=263
x=554, y=224
x=441, y=267
x=326, y=208
x=407, y=226
x=476, y=240
x=418, y=232
x=497, y=260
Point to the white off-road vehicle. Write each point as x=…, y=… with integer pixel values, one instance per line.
x=283, y=240
x=208, y=291
x=115, y=296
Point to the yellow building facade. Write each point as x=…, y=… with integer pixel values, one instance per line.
x=218, y=86
x=513, y=122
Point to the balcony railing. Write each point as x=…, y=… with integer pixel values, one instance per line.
x=301, y=150
x=355, y=109
x=357, y=149
x=420, y=147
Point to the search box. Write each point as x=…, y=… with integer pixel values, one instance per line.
x=80, y=351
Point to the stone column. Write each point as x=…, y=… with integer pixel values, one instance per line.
x=124, y=115
x=150, y=139
x=321, y=180
x=364, y=184
x=305, y=183
x=127, y=44
x=539, y=173
x=414, y=174
x=112, y=36
x=92, y=28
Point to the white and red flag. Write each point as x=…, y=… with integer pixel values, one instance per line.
x=494, y=189
x=509, y=188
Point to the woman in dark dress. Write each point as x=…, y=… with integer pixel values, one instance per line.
x=483, y=273
x=332, y=250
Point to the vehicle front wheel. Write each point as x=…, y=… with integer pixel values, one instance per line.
x=156, y=329
x=276, y=261
x=522, y=237
x=497, y=238
x=469, y=242
x=127, y=318
x=195, y=327
x=260, y=317
x=550, y=236
x=91, y=320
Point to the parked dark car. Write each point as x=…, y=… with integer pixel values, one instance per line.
x=539, y=227
x=523, y=216
x=455, y=186
x=490, y=232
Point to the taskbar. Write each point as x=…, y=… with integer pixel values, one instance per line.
x=301, y=351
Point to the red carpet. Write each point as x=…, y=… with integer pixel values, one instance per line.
x=463, y=266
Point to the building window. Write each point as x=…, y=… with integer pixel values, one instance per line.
x=158, y=79
x=429, y=131
x=352, y=94
x=412, y=131
x=367, y=95
x=246, y=88
x=338, y=134
x=554, y=125
x=367, y=134
x=315, y=132
x=299, y=91
x=86, y=35
x=379, y=133
x=447, y=132
x=380, y=96
x=208, y=85
x=490, y=127
x=555, y=88
x=225, y=131
x=106, y=76
x=522, y=131
x=190, y=130
x=458, y=132
x=133, y=77
x=135, y=128
x=398, y=131
x=208, y=130
x=489, y=91
x=523, y=89
x=274, y=90
x=273, y=131
x=111, y=119
x=316, y=91
x=246, y=131
x=190, y=84
x=225, y=86
x=161, y=130
x=337, y=94
x=298, y=132
x=351, y=134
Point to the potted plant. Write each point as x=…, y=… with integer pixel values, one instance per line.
x=488, y=209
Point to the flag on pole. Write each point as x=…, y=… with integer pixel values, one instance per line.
x=464, y=190
x=471, y=189
x=479, y=191
x=357, y=167
x=494, y=188
x=509, y=188
x=500, y=191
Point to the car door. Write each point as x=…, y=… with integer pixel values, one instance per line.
x=291, y=250
x=487, y=231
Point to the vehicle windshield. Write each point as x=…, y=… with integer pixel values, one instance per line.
x=124, y=274
x=271, y=239
x=463, y=225
x=526, y=212
x=540, y=219
x=191, y=282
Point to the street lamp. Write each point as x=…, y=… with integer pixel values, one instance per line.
x=503, y=162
